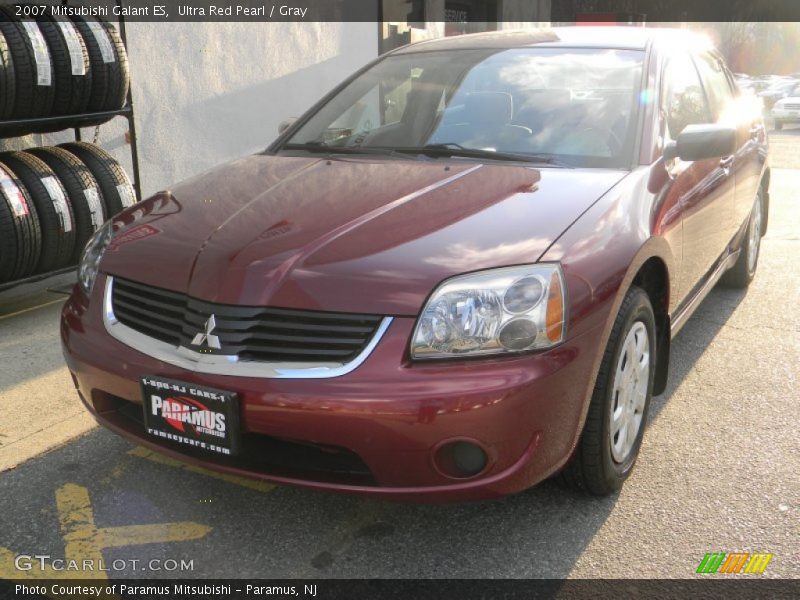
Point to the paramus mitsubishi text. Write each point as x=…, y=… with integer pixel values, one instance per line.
x=455, y=276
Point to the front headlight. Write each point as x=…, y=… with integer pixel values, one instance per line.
x=92, y=254
x=512, y=309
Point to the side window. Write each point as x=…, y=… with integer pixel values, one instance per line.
x=683, y=100
x=718, y=87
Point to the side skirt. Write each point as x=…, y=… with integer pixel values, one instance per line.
x=678, y=320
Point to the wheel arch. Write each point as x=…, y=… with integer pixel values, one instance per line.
x=650, y=267
x=653, y=277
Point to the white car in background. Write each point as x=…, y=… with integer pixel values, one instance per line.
x=787, y=109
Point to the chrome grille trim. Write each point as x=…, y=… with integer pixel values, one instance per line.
x=229, y=365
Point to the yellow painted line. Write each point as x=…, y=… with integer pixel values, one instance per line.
x=253, y=484
x=32, y=308
x=135, y=535
x=75, y=513
x=84, y=541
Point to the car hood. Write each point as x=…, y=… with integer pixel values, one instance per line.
x=347, y=233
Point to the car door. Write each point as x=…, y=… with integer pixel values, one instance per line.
x=747, y=163
x=705, y=189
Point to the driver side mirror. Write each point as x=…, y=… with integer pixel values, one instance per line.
x=698, y=142
x=285, y=124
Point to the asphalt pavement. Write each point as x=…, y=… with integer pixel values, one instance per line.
x=718, y=470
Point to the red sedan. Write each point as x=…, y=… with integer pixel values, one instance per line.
x=455, y=276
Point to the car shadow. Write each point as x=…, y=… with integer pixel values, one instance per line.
x=694, y=339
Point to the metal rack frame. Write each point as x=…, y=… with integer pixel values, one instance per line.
x=75, y=122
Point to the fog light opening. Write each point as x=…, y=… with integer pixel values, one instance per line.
x=460, y=459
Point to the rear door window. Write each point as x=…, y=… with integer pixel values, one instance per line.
x=717, y=84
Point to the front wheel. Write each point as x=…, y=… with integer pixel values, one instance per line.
x=615, y=424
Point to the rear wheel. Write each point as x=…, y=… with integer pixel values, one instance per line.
x=615, y=424
x=744, y=270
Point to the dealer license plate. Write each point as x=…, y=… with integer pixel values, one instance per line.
x=195, y=416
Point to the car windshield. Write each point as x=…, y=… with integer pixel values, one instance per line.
x=565, y=105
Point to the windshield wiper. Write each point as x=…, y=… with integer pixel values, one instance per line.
x=450, y=149
x=324, y=148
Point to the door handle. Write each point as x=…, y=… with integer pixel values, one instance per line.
x=726, y=164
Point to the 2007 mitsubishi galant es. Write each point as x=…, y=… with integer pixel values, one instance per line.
x=455, y=276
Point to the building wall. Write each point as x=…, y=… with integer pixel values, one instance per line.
x=205, y=93
x=515, y=14
x=503, y=14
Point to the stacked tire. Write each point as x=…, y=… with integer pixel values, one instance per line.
x=56, y=66
x=20, y=237
x=52, y=200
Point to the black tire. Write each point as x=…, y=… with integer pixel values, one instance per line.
x=72, y=91
x=56, y=219
x=778, y=125
x=89, y=209
x=19, y=229
x=110, y=80
x=7, y=79
x=592, y=468
x=743, y=270
x=30, y=99
x=117, y=189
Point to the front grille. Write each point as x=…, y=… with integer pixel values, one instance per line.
x=252, y=333
x=792, y=106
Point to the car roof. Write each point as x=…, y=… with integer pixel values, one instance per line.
x=627, y=38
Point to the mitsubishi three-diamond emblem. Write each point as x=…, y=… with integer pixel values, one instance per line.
x=206, y=337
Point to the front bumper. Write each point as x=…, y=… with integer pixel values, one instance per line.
x=373, y=431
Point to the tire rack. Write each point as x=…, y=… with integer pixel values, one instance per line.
x=75, y=122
